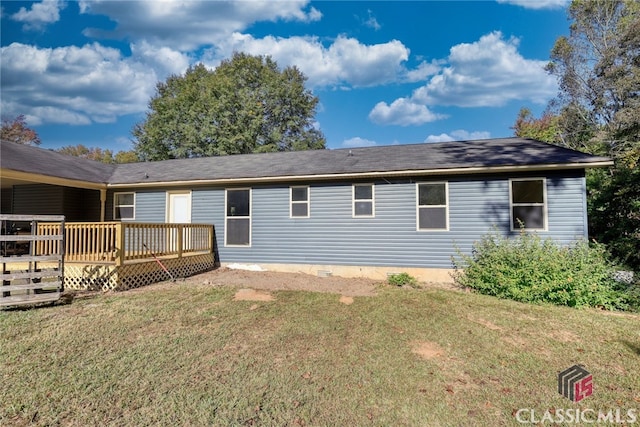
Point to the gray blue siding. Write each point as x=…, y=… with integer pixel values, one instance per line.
x=477, y=205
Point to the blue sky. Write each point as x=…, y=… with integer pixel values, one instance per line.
x=385, y=72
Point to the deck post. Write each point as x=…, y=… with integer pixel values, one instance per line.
x=180, y=239
x=120, y=244
x=103, y=201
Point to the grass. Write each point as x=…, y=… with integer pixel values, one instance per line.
x=189, y=355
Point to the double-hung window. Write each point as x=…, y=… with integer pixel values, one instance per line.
x=238, y=217
x=528, y=204
x=124, y=206
x=433, y=210
x=363, y=200
x=299, y=197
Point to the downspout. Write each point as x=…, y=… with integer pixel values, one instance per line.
x=103, y=201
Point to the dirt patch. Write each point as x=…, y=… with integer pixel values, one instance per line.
x=274, y=281
x=427, y=349
x=346, y=300
x=252, y=295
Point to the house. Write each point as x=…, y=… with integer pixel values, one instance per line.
x=350, y=212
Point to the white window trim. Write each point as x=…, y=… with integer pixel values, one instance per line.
x=115, y=206
x=372, y=200
x=446, y=206
x=291, y=202
x=239, y=217
x=544, y=204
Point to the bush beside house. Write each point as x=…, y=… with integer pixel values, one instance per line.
x=531, y=269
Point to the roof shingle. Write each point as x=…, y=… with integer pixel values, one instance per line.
x=490, y=153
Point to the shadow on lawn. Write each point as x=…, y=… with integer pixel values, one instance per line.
x=633, y=347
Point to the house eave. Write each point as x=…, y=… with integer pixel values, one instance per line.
x=364, y=175
x=10, y=174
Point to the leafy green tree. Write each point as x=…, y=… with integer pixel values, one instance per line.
x=614, y=213
x=598, y=68
x=598, y=111
x=245, y=105
x=126, y=157
x=546, y=128
x=16, y=130
x=98, y=154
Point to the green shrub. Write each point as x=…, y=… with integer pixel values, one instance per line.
x=402, y=279
x=535, y=270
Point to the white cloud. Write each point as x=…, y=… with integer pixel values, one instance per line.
x=458, y=135
x=163, y=60
x=538, y=4
x=93, y=83
x=74, y=85
x=487, y=73
x=423, y=71
x=402, y=112
x=358, y=142
x=40, y=14
x=197, y=23
x=371, y=21
x=346, y=61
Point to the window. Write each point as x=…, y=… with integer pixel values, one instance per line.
x=299, y=202
x=363, y=200
x=528, y=204
x=124, y=206
x=432, y=206
x=238, y=217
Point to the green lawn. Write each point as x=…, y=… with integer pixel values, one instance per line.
x=188, y=354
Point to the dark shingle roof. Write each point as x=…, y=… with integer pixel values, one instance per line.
x=480, y=154
x=24, y=158
x=385, y=159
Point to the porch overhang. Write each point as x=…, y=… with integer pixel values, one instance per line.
x=12, y=177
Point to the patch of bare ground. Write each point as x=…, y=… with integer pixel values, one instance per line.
x=278, y=281
x=346, y=300
x=275, y=281
x=252, y=295
x=427, y=349
x=457, y=378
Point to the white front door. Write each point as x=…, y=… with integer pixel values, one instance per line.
x=179, y=211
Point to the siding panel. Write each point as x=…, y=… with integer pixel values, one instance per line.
x=477, y=205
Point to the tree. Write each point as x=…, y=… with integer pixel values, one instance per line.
x=98, y=154
x=598, y=111
x=126, y=157
x=16, y=130
x=598, y=68
x=546, y=128
x=245, y=105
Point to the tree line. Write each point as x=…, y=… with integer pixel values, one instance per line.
x=597, y=111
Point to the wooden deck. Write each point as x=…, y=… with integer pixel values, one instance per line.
x=121, y=255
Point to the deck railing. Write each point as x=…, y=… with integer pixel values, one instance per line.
x=119, y=242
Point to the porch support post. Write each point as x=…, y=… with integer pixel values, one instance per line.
x=120, y=244
x=103, y=201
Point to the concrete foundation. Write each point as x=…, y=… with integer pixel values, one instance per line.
x=439, y=275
